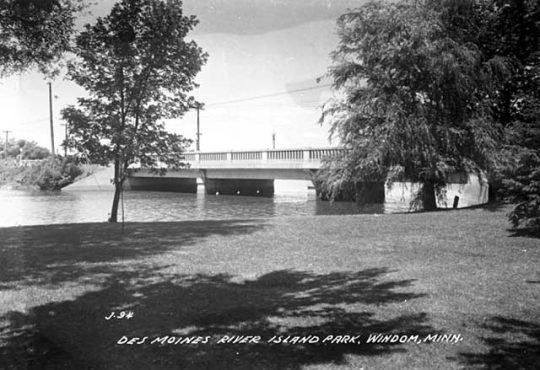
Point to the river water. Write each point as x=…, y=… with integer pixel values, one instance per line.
x=40, y=208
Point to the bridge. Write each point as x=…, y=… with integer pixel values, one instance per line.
x=253, y=173
x=235, y=172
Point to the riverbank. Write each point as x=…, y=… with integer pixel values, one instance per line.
x=43, y=175
x=413, y=277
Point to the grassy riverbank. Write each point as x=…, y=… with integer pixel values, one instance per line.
x=43, y=175
x=461, y=273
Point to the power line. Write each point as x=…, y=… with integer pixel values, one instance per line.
x=38, y=120
x=310, y=103
x=269, y=95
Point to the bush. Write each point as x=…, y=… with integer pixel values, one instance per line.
x=45, y=176
x=57, y=176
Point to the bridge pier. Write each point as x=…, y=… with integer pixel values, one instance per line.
x=247, y=187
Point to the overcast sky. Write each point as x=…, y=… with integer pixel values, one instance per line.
x=256, y=48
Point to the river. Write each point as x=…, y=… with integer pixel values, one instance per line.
x=41, y=208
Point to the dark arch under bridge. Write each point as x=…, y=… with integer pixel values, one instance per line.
x=235, y=172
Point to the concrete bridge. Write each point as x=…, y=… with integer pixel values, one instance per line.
x=235, y=172
x=253, y=173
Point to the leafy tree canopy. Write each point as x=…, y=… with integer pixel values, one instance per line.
x=414, y=96
x=512, y=28
x=35, y=33
x=28, y=149
x=138, y=69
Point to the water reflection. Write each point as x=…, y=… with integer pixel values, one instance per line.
x=34, y=208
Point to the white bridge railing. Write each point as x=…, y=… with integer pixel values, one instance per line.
x=263, y=156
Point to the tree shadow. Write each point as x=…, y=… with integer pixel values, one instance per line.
x=76, y=333
x=67, y=253
x=492, y=206
x=525, y=233
x=513, y=344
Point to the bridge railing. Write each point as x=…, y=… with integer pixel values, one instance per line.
x=269, y=155
x=286, y=155
x=318, y=154
x=247, y=156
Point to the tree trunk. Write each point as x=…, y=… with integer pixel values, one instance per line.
x=118, y=183
x=429, y=198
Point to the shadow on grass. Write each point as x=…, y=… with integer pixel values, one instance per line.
x=492, y=206
x=43, y=255
x=525, y=233
x=514, y=344
x=75, y=334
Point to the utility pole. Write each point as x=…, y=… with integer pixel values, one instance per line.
x=51, y=119
x=198, y=106
x=273, y=140
x=6, y=146
x=65, y=140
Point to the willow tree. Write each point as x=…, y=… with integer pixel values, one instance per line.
x=138, y=69
x=412, y=99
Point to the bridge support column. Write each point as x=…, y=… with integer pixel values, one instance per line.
x=263, y=188
x=157, y=183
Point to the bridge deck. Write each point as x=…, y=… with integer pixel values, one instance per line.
x=304, y=158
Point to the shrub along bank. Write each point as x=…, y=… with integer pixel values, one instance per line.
x=45, y=175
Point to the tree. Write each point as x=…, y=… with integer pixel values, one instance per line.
x=513, y=30
x=35, y=33
x=138, y=69
x=510, y=29
x=414, y=98
x=522, y=174
x=28, y=149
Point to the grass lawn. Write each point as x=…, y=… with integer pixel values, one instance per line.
x=459, y=287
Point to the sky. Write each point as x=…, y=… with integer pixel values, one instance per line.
x=264, y=59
